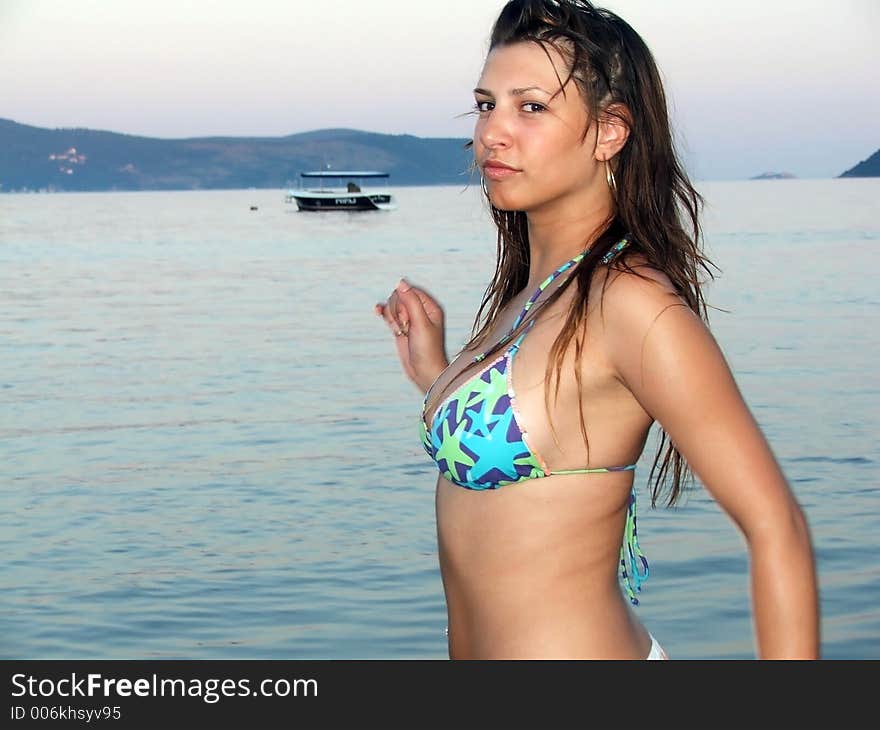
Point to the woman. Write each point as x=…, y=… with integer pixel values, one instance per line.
x=597, y=300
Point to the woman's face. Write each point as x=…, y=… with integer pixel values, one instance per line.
x=527, y=139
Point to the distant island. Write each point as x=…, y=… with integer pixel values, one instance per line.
x=56, y=160
x=866, y=168
x=774, y=176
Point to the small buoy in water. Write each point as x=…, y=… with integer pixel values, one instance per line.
x=253, y=207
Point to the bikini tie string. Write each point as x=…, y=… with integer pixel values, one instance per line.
x=631, y=557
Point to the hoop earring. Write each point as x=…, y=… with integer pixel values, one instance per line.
x=483, y=186
x=609, y=176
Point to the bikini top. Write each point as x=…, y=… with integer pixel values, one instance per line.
x=476, y=436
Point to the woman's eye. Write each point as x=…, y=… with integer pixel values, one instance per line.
x=532, y=107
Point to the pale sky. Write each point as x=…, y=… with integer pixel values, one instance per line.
x=754, y=86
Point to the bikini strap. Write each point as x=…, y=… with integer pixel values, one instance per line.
x=532, y=299
x=612, y=252
x=544, y=284
x=616, y=249
x=514, y=348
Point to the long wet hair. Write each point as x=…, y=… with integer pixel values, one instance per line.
x=654, y=201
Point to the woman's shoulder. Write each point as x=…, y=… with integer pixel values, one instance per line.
x=633, y=287
x=639, y=298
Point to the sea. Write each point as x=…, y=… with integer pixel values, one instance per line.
x=208, y=449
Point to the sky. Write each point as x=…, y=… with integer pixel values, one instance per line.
x=753, y=86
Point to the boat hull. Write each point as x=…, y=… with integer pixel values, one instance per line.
x=340, y=201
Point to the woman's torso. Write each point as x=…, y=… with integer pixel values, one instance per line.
x=531, y=568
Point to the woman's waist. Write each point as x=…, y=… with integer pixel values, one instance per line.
x=532, y=528
x=490, y=579
x=558, y=623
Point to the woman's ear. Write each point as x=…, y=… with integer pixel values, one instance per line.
x=613, y=131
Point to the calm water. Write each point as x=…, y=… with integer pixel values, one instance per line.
x=207, y=448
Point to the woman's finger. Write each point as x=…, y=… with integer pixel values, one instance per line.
x=388, y=312
x=403, y=319
x=394, y=312
x=431, y=307
x=425, y=306
x=382, y=310
x=413, y=310
x=398, y=320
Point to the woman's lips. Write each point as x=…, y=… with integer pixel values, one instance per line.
x=498, y=172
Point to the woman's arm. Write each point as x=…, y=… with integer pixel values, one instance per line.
x=669, y=360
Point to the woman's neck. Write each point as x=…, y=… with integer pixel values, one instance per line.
x=556, y=238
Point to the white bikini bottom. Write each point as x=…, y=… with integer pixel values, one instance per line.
x=656, y=651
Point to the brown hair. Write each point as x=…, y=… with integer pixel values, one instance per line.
x=654, y=199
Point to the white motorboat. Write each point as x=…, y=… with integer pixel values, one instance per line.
x=347, y=195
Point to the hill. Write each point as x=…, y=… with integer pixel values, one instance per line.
x=774, y=176
x=866, y=168
x=33, y=158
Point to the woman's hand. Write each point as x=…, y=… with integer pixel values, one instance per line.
x=417, y=321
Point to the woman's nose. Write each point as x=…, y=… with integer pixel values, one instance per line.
x=494, y=129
